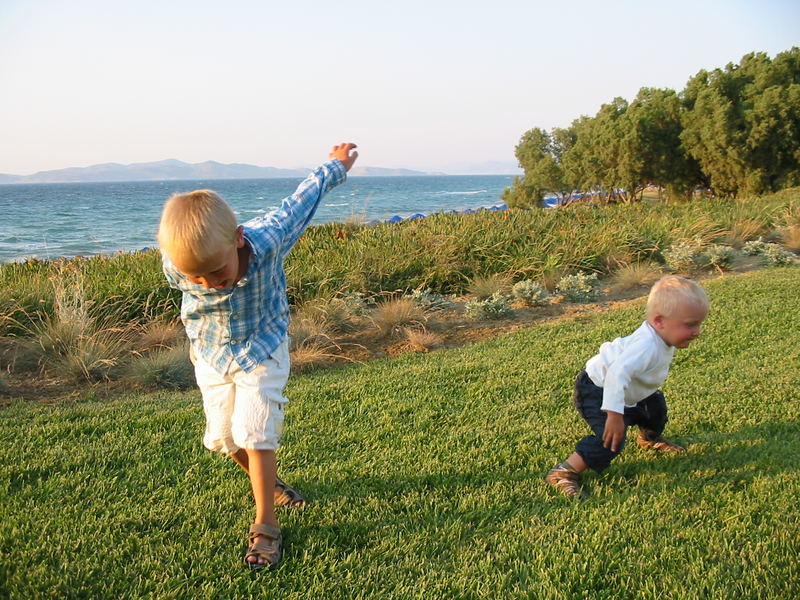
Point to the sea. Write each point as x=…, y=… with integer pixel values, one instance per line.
x=53, y=220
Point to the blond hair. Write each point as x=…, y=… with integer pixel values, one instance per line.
x=671, y=291
x=196, y=225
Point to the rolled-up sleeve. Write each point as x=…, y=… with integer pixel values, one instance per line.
x=294, y=215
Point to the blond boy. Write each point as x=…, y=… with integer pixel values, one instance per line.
x=236, y=315
x=619, y=386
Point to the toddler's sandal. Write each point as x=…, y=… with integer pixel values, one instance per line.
x=268, y=550
x=286, y=495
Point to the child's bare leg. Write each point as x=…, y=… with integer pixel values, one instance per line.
x=283, y=495
x=261, y=467
x=577, y=463
x=240, y=458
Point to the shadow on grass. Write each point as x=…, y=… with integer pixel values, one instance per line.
x=469, y=503
x=729, y=459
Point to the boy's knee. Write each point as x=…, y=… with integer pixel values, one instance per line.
x=596, y=456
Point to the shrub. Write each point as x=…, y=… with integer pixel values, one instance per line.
x=428, y=299
x=774, y=255
x=720, y=257
x=494, y=307
x=684, y=257
x=530, y=292
x=580, y=287
x=356, y=303
x=754, y=247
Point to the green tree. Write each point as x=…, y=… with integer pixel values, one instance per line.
x=597, y=161
x=742, y=123
x=652, y=153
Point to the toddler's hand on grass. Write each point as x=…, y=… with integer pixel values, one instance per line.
x=614, y=432
x=343, y=154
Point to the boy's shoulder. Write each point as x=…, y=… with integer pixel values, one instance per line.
x=642, y=347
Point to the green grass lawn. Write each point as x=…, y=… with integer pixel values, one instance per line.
x=425, y=474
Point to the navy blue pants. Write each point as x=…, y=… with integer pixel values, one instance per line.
x=649, y=414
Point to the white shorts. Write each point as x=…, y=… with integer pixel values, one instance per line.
x=244, y=410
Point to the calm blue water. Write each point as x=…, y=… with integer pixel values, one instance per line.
x=68, y=219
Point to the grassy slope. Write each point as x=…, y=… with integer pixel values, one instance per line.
x=425, y=473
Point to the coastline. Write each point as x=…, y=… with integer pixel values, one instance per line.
x=109, y=219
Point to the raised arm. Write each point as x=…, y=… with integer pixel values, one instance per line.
x=288, y=222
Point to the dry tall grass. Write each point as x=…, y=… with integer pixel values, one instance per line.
x=163, y=367
x=160, y=334
x=315, y=353
x=790, y=237
x=80, y=340
x=634, y=275
x=305, y=328
x=483, y=287
x=390, y=315
x=419, y=339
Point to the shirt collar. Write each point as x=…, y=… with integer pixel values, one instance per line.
x=654, y=333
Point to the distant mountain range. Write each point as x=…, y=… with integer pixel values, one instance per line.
x=172, y=169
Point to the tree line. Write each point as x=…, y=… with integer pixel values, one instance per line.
x=730, y=132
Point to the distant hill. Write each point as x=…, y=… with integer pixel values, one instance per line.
x=171, y=169
x=489, y=167
x=381, y=172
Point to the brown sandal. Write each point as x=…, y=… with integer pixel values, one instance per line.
x=269, y=550
x=285, y=495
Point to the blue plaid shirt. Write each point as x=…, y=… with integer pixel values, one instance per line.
x=245, y=323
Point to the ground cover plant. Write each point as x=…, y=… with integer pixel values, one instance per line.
x=442, y=253
x=425, y=474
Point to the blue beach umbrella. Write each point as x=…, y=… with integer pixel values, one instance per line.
x=416, y=216
x=394, y=219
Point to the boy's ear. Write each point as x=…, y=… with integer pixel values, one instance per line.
x=658, y=321
x=240, y=237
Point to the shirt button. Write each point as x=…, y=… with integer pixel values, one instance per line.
x=234, y=316
x=233, y=342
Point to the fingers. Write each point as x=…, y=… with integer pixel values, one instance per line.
x=344, y=147
x=611, y=439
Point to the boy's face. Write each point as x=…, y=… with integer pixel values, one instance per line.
x=221, y=270
x=681, y=327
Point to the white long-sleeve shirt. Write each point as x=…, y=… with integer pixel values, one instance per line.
x=630, y=368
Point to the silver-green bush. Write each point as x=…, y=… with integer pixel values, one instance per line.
x=494, y=307
x=580, y=287
x=530, y=292
x=720, y=257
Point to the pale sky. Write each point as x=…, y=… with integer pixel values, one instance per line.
x=421, y=84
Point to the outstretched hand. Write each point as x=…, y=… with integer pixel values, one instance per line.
x=344, y=154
